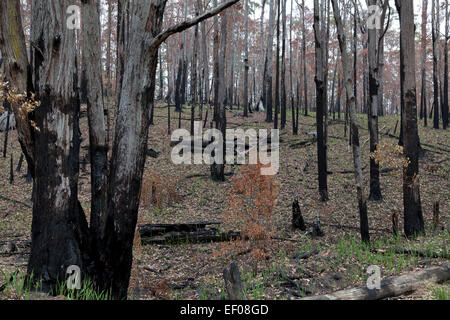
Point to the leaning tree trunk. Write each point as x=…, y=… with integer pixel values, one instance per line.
x=413, y=219
x=364, y=223
x=17, y=71
x=58, y=219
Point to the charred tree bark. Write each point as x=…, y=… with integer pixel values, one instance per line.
x=218, y=169
x=98, y=146
x=59, y=230
x=423, y=95
x=268, y=65
x=374, y=85
x=320, y=88
x=413, y=219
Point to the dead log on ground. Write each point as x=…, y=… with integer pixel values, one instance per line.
x=199, y=236
x=307, y=254
x=150, y=230
x=392, y=286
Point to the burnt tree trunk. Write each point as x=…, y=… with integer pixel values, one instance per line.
x=413, y=219
x=320, y=88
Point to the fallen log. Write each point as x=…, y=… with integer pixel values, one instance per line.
x=149, y=230
x=307, y=254
x=200, y=236
x=417, y=253
x=392, y=286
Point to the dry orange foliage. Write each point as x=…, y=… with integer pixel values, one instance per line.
x=251, y=204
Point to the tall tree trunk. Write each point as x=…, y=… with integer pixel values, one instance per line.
x=435, y=36
x=277, y=72
x=268, y=74
x=320, y=88
x=205, y=54
x=218, y=169
x=246, y=65
x=283, y=70
x=423, y=95
x=17, y=71
x=231, y=65
x=98, y=147
x=374, y=85
x=305, y=79
x=445, y=101
x=413, y=219
x=364, y=223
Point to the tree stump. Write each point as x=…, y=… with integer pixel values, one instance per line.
x=233, y=282
x=297, y=218
x=436, y=215
x=395, y=223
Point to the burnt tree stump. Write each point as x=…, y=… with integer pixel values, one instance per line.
x=297, y=218
x=436, y=215
x=233, y=282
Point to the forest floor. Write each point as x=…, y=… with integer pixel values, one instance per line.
x=195, y=271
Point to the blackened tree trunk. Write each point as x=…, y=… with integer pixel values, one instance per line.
x=59, y=230
x=218, y=169
x=283, y=70
x=362, y=203
x=98, y=146
x=320, y=88
x=423, y=95
x=374, y=85
x=413, y=219
x=268, y=74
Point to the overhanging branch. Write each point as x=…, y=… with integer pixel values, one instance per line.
x=160, y=38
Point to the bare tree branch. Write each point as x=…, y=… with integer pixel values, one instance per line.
x=160, y=38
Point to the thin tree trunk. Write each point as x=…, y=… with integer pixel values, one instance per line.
x=305, y=79
x=435, y=37
x=445, y=101
x=423, y=95
x=320, y=82
x=98, y=147
x=372, y=112
x=364, y=223
x=268, y=74
x=246, y=62
x=283, y=70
